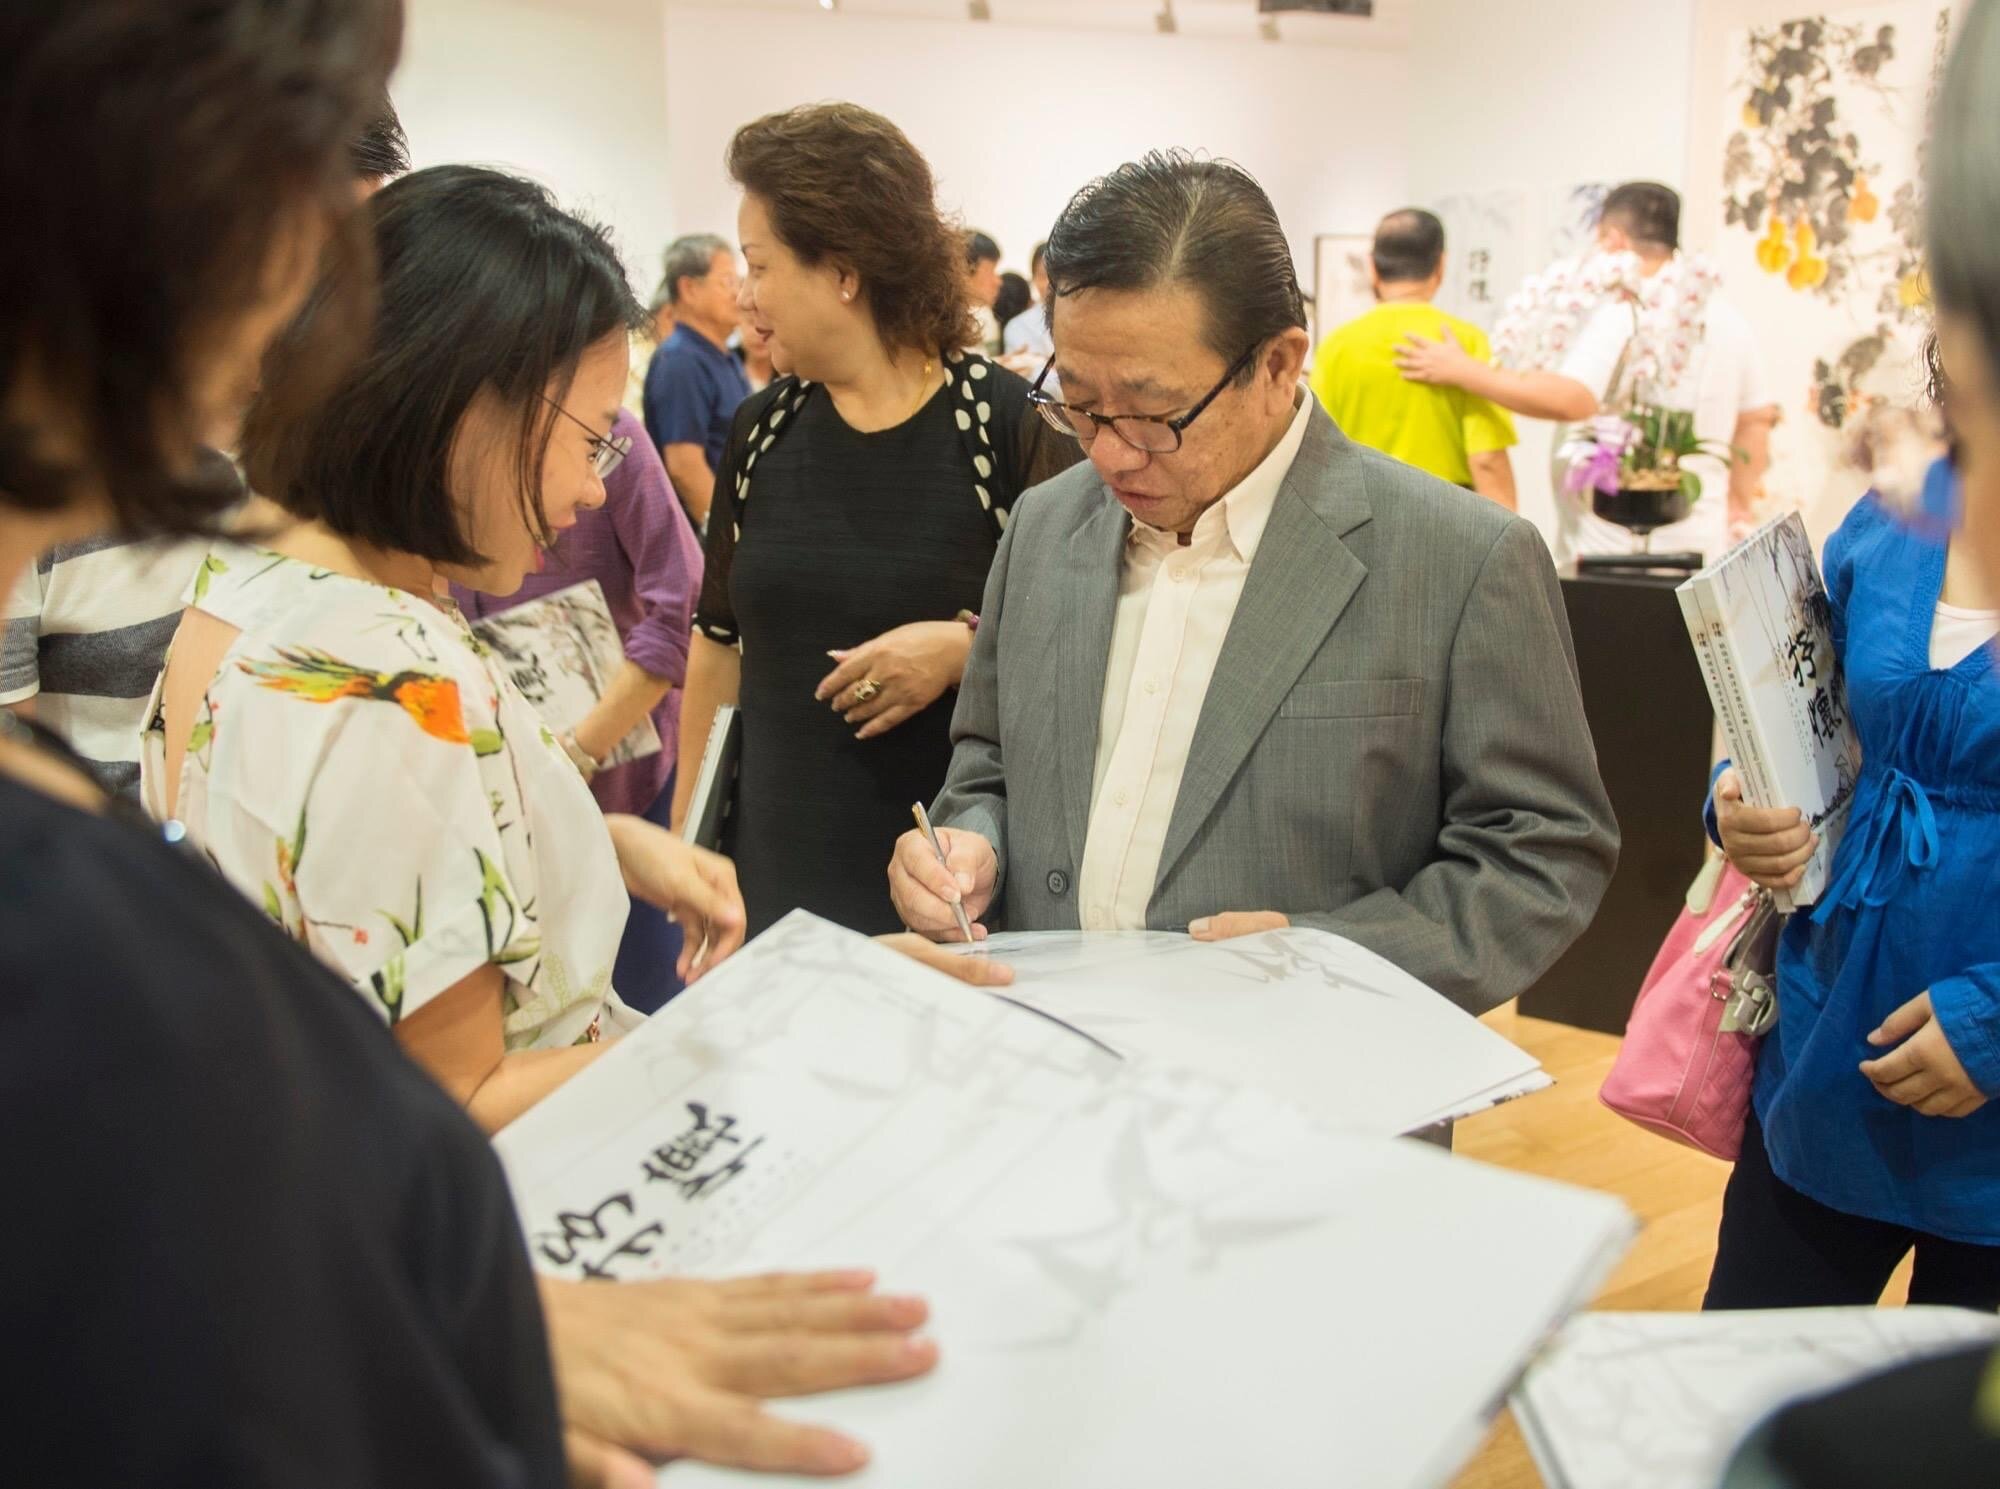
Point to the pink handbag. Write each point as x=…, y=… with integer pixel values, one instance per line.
x=1691, y=1045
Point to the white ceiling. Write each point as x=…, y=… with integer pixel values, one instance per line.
x=1389, y=27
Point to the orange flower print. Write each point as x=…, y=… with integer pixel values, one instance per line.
x=311, y=674
x=433, y=703
x=1863, y=204
x=1809, y=271
x=1774, y=254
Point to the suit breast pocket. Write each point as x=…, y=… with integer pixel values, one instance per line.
x=1371, y=698
x=1338, y=770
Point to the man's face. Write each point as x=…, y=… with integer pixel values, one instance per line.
x=1975, y=420
x=711, y=300
x=983, y=281
x=1142, y=352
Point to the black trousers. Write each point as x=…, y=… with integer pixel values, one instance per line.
x=1779, y=1249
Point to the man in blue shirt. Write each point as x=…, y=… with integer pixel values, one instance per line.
x=693, y=385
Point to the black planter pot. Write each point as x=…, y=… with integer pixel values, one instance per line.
x=1642, y=511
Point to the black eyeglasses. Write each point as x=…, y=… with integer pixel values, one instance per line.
x=607, y=451
x=1148, y=433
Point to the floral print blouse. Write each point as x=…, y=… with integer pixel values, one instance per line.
x=363, y=770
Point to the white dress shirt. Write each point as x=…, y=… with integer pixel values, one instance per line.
x=1174, y=608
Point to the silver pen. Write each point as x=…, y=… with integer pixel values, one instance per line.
x=930, y=835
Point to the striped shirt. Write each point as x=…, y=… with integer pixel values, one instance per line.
x=86, y=633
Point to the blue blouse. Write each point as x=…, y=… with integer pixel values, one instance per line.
x=1913, y=903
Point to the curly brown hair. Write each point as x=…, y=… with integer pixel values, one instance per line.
x=845, y=184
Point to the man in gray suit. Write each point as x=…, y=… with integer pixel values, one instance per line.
x=1237, y=672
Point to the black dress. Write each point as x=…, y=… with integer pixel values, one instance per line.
x=247, y=1242
x=822, y=538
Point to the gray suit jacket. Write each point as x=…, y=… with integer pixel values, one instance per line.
x=1392, y=748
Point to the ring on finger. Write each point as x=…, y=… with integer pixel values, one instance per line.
x=867, y=690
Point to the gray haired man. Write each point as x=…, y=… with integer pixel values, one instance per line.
x=693, y=384
x=1236, y=672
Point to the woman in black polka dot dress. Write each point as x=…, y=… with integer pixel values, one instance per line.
x=856, y=514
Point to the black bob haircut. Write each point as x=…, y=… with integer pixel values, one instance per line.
x=1170, y=218
x=979, y=248
x=483, y=282
x=1408, y=247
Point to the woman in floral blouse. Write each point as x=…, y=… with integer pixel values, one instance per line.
x=329, y=730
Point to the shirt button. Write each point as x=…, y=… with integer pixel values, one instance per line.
x=1058, y=882
x=1152, y=685
x=1178, y=575
x=1121, y=798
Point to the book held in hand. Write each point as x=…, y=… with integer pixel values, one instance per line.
x=715, y=782
x=562, y=651
x=1762, y=628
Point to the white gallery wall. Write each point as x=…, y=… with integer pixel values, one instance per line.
x=625, y=108
x=571, y=92
x=1015, y=117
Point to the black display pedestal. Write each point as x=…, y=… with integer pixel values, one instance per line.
x=1650, y=716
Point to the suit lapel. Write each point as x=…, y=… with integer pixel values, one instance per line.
x=1299, y=585
x=1090, y=607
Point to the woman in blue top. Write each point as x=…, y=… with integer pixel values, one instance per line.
x=1930, y=1422
x=1871, y=1132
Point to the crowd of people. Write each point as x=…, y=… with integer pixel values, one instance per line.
x=1174, y=619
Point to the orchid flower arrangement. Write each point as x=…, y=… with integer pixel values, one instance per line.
x=1639, y=443
x=1640, y=449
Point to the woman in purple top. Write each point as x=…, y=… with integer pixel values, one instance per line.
x=639, y=547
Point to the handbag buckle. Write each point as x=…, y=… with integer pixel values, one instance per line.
x=1750, y=967
x=1752, y=1007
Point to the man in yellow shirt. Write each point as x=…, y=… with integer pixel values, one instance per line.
x=1446, y=431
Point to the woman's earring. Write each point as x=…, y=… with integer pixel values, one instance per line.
x=846, y=295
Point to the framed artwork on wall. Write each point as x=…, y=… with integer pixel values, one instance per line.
x=1821, y=238
x=1343, y=286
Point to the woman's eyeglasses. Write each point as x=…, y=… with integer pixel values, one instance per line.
x=606, y=450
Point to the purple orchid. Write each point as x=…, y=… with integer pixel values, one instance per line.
x=1600, y=455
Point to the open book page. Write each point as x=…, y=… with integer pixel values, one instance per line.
x=1660, y=1400
x=1304, y=1015
x=1137, y=1276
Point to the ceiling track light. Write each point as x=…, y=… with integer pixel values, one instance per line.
x=1268, y=29
x=1164, y=22
x=978, y=10
x=829, y=4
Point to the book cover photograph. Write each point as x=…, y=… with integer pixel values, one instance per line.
x=562, y=651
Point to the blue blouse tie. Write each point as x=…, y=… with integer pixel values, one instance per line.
x=1901, y=835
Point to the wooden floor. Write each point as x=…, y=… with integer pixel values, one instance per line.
x=1565, y=1133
